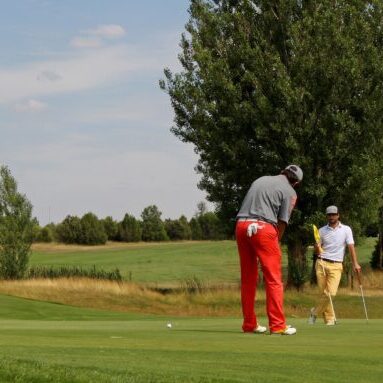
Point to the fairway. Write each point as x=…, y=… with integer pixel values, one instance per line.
x=44, y=342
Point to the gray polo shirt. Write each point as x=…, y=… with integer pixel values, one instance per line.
x=270, y=198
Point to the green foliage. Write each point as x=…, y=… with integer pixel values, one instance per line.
x=377, y=255
x=153, y=228
x=92, y=230
x=73, y=272
x=111, y=228
x=376, y=261
x=85, y=231
x=211, y=226
x=285, y=82
x=196, y=230
x=129, y=229
x=69, y=230
x=44, y=235
x=16, y=228
x=178, y=229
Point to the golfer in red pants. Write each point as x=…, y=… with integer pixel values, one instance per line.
x=261, y=222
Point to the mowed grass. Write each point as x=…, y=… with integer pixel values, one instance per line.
x=44, y=342
x=165, y=263
x=169, y=264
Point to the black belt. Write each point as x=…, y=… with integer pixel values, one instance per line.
x=330, y=261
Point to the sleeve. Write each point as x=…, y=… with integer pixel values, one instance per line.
x=287, y=206
x=349, y=236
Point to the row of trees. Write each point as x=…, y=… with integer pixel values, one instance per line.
x=89, y=230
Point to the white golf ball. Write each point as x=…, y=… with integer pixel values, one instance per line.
x=169, y=325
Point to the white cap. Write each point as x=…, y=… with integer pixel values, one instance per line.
x=332, y=210
x=296, y=170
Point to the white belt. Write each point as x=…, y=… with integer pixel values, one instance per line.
x=250, y=220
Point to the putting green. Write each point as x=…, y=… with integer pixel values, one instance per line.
x=56, y=343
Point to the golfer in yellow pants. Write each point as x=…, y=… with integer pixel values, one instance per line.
x=334, y=237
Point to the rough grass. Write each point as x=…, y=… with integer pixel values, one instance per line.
x=208, y=301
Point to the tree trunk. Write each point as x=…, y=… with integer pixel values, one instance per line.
x=297, y=264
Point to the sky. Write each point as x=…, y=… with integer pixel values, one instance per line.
x=84, y=125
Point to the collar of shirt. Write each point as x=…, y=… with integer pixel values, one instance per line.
x=338, y=226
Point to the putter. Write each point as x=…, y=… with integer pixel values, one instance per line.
x=361, y=292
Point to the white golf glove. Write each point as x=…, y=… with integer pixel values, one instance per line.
x=252, y=229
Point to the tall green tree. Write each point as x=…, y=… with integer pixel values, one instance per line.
x=16, y=227
x=129, y=229
x=92, y=230
x=69, y=230
x=153, y=229
x=111, y=228
x=267, y=83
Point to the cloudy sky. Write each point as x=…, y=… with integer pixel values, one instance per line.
x=83, y=123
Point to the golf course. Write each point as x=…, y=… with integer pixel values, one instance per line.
x=98, y=331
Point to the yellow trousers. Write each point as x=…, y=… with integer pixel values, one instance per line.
x=328, y=277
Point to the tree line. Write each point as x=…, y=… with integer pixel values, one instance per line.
x=18, y=229
x=90, y=230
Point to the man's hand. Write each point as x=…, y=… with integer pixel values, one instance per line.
x=317, y=249
x=357, y=267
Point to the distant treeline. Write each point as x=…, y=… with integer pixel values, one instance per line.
x=90, y=230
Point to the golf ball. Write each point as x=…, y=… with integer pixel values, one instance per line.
x=169, y=325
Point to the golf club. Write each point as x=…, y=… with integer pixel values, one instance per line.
x=361, y=292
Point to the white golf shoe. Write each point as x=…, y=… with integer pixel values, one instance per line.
x=288, y=330
x=260, y=329
x=312, y=317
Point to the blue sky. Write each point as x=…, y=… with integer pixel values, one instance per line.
x=84, y=125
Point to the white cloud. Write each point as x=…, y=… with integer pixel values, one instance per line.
x=85, y=42
x=85, y=70
x=30, y=106
x=48, y=75
x=111, y=31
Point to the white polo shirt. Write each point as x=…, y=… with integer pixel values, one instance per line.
x=334, y=241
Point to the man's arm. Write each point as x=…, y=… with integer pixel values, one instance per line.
x=281, y=228
x=354, y=259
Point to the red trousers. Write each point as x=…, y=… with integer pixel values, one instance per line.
x=262, y=246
